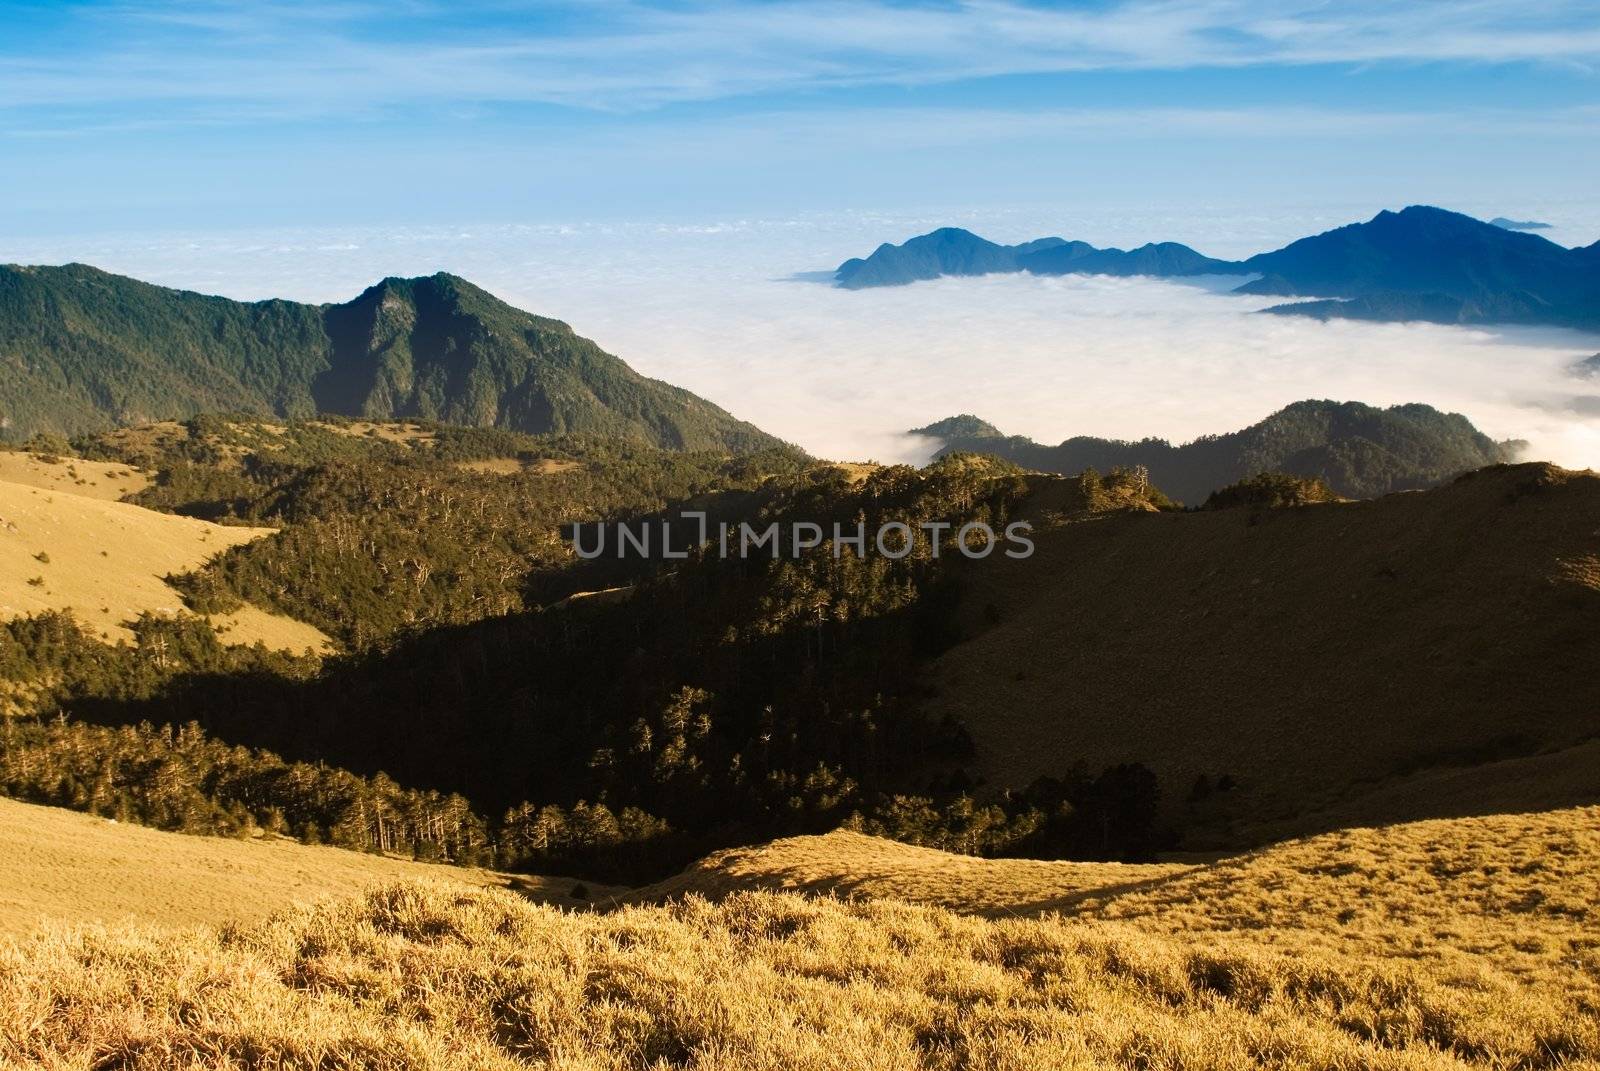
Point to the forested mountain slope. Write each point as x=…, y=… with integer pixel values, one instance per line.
x=85, y=350
x=1360, y=450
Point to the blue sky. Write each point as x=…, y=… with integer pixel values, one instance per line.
x=207, y=115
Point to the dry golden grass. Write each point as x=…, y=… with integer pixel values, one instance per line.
x=1519, y=892
x=426, y=977
x=1435, y=945
x=388, y=431
x=62, y=866
x=510, y=466
x=105, y=561
x=855, y=866
x=90, y=479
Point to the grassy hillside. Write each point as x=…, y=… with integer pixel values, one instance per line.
x=106, y=480
x=76, y=868
x=106, y=561
x=1295, y=659
x=1444, y=945
x=859, y=867
x=86, y=350
x=1360, y=450
x=1513, y=890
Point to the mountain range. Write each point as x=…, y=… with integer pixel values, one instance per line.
x=1519, y=224
x=1361, y=451
x=1420, y=263
x=84, y=350
x=953, y=251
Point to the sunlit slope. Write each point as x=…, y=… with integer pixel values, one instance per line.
x=106, y=560
x=62, y=866
x=1433, y=946
x=861, y=867
x=107, y=480
x=1314, y=656
x=1520, y=890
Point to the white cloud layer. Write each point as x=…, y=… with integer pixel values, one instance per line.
x=712, y=308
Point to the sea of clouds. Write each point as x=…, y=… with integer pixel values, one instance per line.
x=734, y=310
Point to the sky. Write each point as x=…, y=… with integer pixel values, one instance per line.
x=663, y=175
x=135, y=114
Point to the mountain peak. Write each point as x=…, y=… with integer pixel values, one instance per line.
x=963, y=426
x=1361, y=450
x=945, y=251
x=1420, y=262
x=434, y=347
x=1432, y=264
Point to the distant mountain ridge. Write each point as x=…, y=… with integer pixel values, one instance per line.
x=1420, y=263
x=1519, y=224
x=84, y=350
x=953, y=251
x=1361, y=451
x=1429, y=264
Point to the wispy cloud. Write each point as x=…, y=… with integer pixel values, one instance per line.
x=628, y=55
x=800, y=130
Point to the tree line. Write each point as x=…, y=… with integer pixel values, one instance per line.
x=715, y=702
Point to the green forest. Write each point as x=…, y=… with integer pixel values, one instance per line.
x=476, y=712
x=87, y=350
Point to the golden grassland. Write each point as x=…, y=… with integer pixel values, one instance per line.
x=393, y=431
x=510, y=466
x=106, y=560
x=1522, y=890
x=1465, y=943
x=90, y=479
x=1313, y=655
x=854, y=866
x=77, y=868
